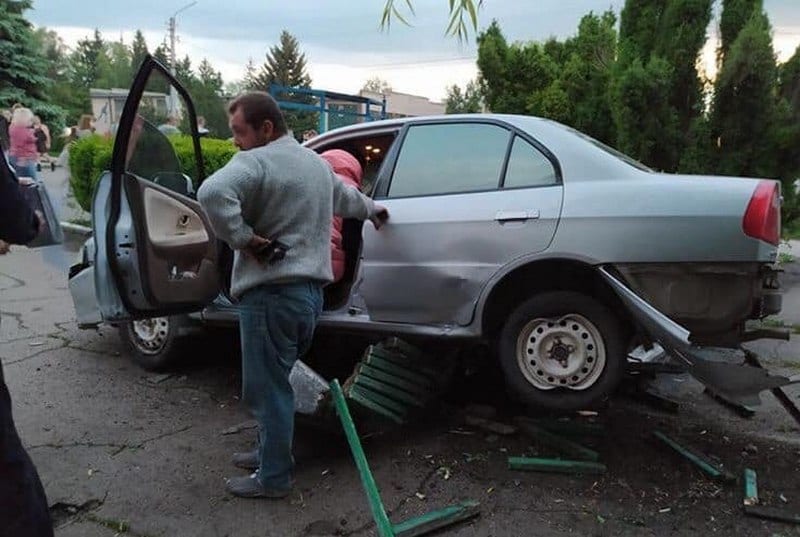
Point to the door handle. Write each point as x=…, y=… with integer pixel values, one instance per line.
x=516, y=216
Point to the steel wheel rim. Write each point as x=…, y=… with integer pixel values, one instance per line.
x=150, y=335
x=566, y=352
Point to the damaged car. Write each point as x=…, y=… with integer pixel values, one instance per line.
x=561, y=254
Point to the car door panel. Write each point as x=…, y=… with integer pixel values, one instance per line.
x=172, y=266
x=155, y=245
x=429, y=263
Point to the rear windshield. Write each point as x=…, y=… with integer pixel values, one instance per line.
x=610, y=150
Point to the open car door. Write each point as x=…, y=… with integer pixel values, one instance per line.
x=155, y=252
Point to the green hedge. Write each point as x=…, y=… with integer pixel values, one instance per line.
x=90, y=156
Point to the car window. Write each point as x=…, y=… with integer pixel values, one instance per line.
x=161, y=118
x=449, y=158
x=527, y=166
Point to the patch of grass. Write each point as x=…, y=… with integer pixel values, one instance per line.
x=81, y=221
x=785, y=257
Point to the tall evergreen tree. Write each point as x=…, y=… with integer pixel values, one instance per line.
x=734, y=16
x=138, y=52
x=660, y=40
x=744, y=109
x=23, y=69
x=88, y=60
x=285, y=65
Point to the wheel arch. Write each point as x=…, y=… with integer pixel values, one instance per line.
x=519, y=283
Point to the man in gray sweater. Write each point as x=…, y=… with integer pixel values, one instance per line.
x=275, y=189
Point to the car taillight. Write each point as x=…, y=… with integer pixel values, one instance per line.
x=762, y=219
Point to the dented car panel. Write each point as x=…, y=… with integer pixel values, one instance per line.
x=431, y=263
x=711, y=366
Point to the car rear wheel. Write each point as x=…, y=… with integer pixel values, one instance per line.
x=562, y=350
x=154, y=343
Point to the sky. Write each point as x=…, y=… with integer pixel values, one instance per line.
x=342, y=39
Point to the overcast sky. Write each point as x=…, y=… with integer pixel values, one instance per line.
x=341, y=38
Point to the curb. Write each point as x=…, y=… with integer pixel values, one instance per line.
x=76, y=230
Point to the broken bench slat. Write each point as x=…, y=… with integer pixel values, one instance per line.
x=414, y=527
x=375, y=407
x=435, y=520
x=394, y=369
x=394, y=380
x=382, y=522
x=553, y=440
x=772, y=513
x=701, y=462
x=388, y=390
x=559, y=466
x=750, y=487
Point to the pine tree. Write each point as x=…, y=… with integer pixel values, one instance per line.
x=23, y=69
x=659, y=43
x=286, y=65
x=87, y=61
x=138, y=52
x=735, y=14
x=744, y=108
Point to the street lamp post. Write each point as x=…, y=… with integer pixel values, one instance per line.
x=173, y=95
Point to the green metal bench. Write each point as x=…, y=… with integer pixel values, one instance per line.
x=410, y=528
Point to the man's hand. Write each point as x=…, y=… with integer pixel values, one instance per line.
x=255, y=243
x=4, y=247
x=380, y=216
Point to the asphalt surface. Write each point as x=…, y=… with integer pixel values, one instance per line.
x=126, y=452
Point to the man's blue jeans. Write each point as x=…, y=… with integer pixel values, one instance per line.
x=277, y=324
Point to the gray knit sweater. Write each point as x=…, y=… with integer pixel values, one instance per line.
x=283, y=191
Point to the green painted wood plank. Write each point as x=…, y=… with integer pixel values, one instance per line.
x=383, y=376
x=706, y=466
x=382, y=522
x=560, y=466
x=376, y=408
x=414, y=527
x=389, y=391
x=390, y=367
x=750, y=487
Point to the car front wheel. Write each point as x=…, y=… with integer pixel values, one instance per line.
x=154, y=343
x=562, y=350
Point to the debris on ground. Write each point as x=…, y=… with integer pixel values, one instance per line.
x=561, y=466
x=752, y=505
x=707, y=466
x=563, y=445
x=490, y=426
x=244, y=426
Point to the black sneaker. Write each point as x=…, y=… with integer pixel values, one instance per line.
x=246, y=459
x=250, y=487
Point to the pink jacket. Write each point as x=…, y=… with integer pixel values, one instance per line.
x=348, y=170
x=22, y=143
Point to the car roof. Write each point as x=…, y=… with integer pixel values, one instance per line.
x=580, y=155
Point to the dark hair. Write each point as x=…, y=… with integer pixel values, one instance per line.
x=258, y=107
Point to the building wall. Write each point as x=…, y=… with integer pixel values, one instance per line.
x=404, y=104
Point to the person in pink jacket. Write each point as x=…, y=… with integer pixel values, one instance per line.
x=22, y=152
x=348, y=170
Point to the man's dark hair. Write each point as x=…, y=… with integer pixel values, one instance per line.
x=258, y=107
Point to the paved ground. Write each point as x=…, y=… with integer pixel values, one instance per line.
x=122, y=451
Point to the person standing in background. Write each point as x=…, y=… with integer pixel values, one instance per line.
x=23, y=154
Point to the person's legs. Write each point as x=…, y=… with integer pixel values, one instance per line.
x=23, y=504
x=277, y=325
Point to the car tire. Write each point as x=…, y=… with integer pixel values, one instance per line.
x=562, y=351
x=156, y=343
